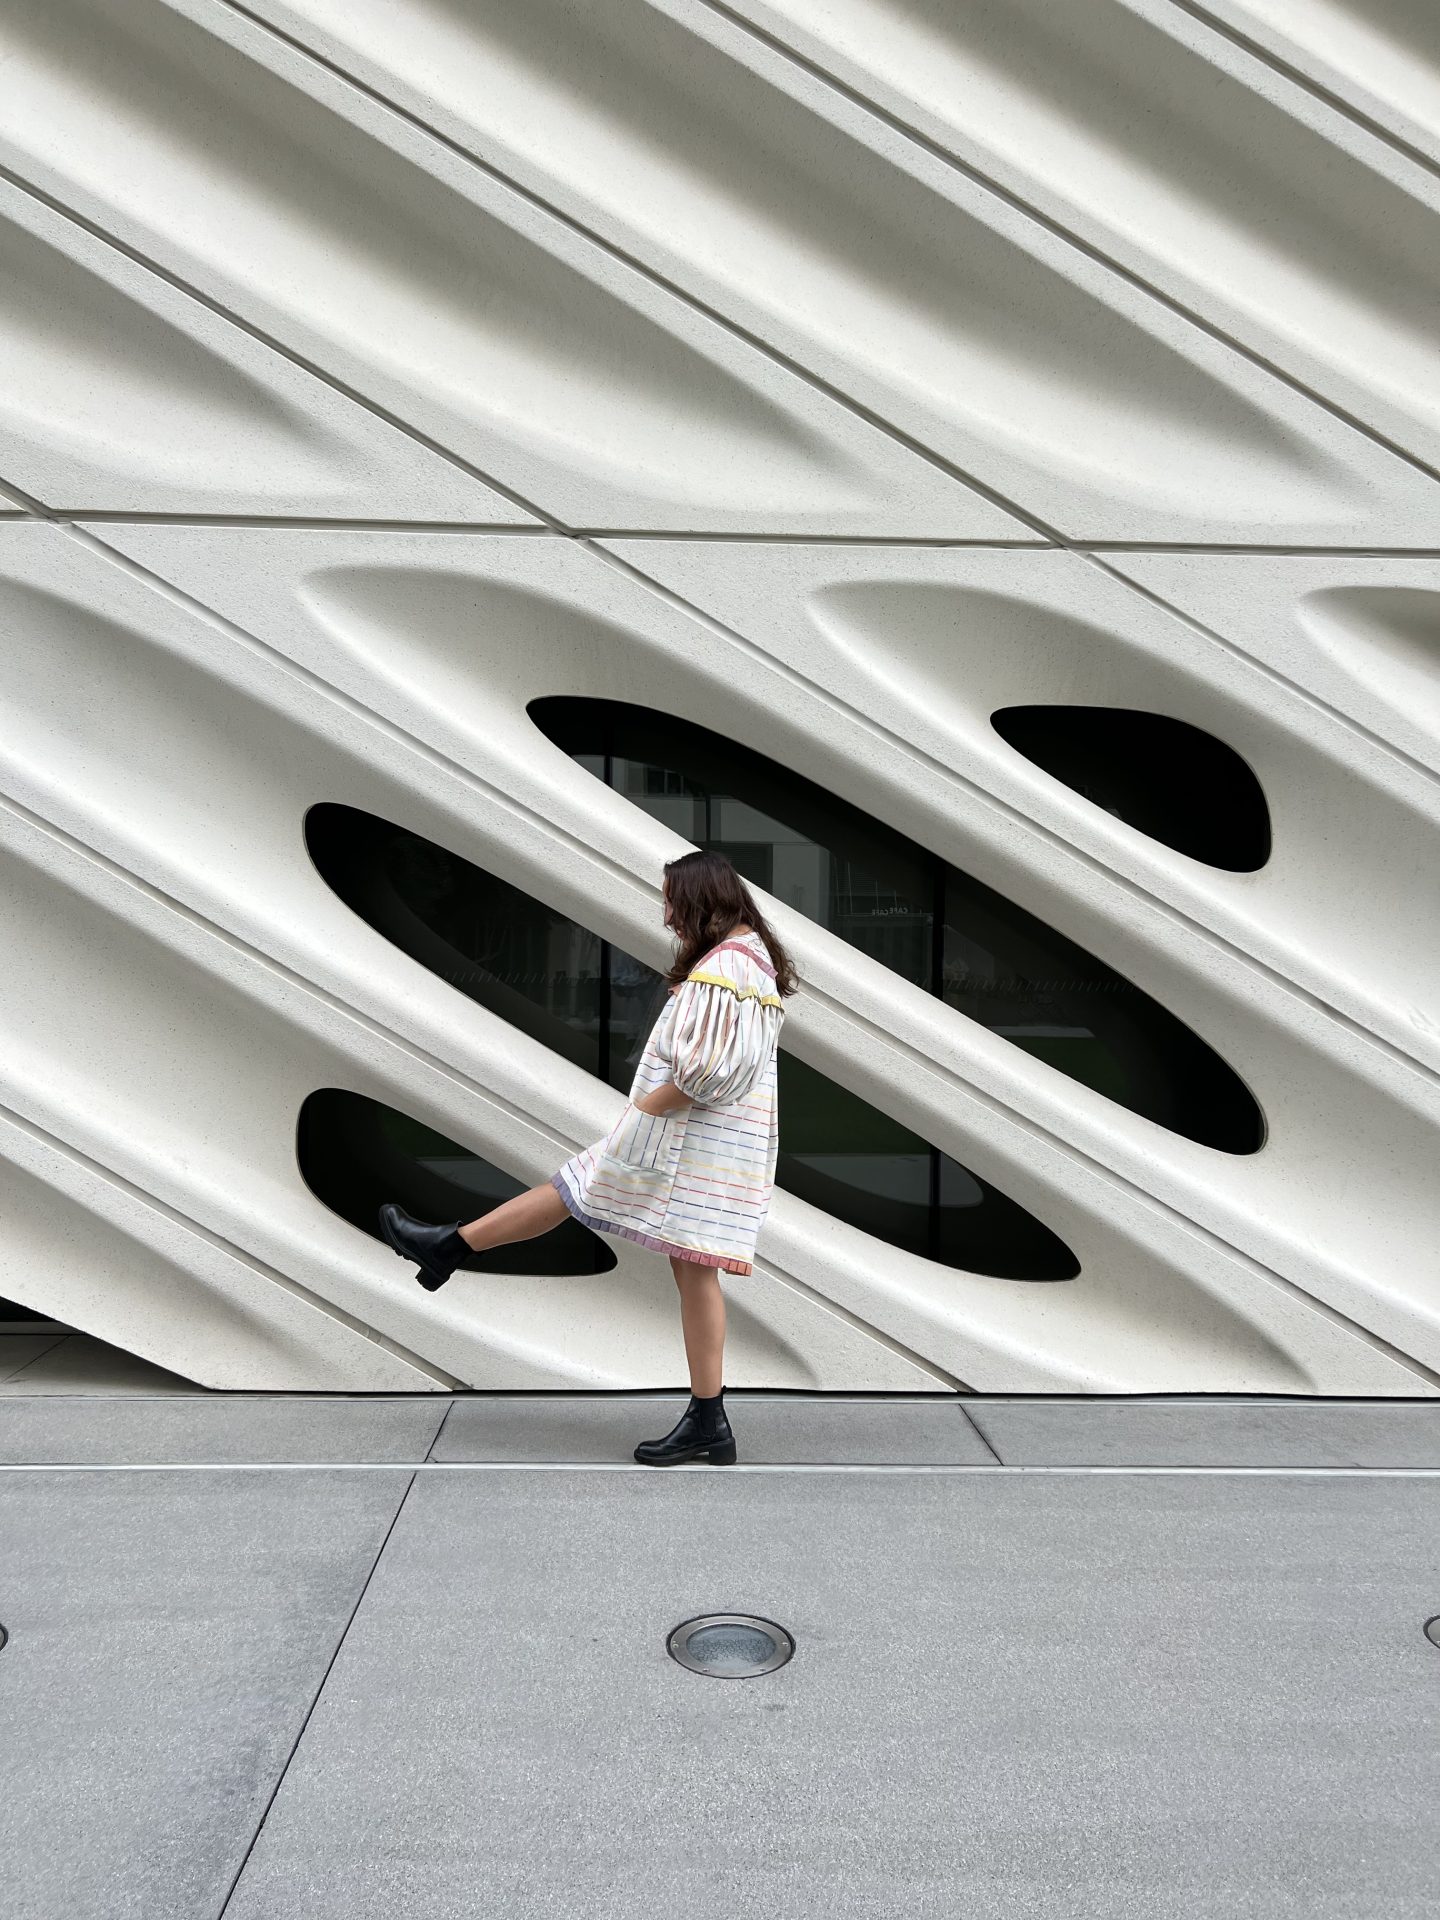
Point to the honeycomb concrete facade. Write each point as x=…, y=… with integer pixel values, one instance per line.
x=830, y=375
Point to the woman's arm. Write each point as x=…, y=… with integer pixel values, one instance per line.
x=719, y=1042
x=666, y=1099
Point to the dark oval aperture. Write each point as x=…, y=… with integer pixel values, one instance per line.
x=1159, y=775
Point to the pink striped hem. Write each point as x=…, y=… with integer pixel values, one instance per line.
x=596, y=1225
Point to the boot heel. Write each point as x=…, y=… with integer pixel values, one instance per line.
x=722, y=1454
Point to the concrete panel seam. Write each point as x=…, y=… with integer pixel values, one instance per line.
x=980, y=1434
x=1299, y=78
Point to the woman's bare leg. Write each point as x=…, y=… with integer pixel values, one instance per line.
x=523, y=1218
x=702, y=1316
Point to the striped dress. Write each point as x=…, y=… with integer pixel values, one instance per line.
x=695, y=1183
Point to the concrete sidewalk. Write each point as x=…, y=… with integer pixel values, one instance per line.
x=281, y=1658
x=67, y=1428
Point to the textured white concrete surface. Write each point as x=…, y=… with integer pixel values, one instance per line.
x=1193, y=165
x=123, y=393
x=1381, y=58
x=380, y=369
x=758, y=189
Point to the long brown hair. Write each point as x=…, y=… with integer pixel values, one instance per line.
x=708, y=900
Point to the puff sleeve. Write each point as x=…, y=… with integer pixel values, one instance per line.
x=721, y=1037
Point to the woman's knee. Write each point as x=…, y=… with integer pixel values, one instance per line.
x=700, y=1283
x=691, y=1273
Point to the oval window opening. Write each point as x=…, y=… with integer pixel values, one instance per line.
x=928, y=921
x=355, y=1153
x=853, y=1161
x=594, y=1004
x=1162, y=776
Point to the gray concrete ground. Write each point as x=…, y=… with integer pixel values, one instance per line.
x=776, y=1429
x=1227, y=1433
x=65, y=1362
x=299, y=1658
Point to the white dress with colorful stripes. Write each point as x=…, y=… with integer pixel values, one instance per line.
x=695, y=1183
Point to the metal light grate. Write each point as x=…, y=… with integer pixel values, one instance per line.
x=730, y=1646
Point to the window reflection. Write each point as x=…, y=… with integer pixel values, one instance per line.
x=821, y=857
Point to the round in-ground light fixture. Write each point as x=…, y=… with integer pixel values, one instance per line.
x=730, y=1646
x=1432, y=1629
x=4, y=1636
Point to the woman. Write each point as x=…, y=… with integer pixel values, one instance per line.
x=689, y=1167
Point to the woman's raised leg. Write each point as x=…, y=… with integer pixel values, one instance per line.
x=529, y=1214
x=438, y=1250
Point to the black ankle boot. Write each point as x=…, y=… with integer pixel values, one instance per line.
x=436, y=1251
x=701, y=1429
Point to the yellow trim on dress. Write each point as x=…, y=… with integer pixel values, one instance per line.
x=741, y=993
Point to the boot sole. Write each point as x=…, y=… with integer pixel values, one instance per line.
x=721, y=1456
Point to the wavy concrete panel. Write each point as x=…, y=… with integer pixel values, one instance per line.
x=96, y=1253
x=515, y=619
x=97, y=789
x=645, y=272
x=930, y=644
x=1387, y=638
x=593, y=1330
x=1193, y=166
x=370, y=250
x=167, y=820
x=1356, y=633
x=171, y=818
x=179, y=1072
x=122, y=394
x=683, y=140
x=1379, y=58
